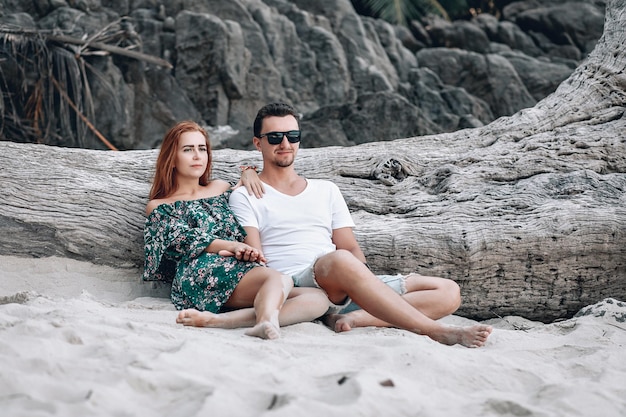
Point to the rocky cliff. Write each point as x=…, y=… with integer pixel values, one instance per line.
x=78, y=73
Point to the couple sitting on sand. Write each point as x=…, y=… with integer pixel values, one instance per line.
x=284, y=252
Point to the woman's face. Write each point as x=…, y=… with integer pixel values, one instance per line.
x=192, y=155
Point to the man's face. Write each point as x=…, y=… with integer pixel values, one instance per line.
x=283, y=154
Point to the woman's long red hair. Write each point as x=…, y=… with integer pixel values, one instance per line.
x=164, y=183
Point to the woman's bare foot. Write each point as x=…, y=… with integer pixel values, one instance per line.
x=268, y=329
x=193, y=317
x=264, y=330
x=471, y=336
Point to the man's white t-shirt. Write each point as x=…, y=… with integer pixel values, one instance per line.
x=295, y=230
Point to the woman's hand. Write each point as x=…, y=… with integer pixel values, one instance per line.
x=250, y=180
x=244, y=252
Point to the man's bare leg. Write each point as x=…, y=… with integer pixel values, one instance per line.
x=470, y=336
x=340, y=273
x=433, y=296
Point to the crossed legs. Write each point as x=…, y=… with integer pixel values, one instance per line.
x=302, y=305
x=264, y=289
x=435, y=297
x=341, y=274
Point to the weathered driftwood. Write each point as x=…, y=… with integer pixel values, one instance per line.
x=527, y=214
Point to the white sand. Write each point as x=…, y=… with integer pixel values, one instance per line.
x=84, y=340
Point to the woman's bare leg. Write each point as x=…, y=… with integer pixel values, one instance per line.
x=267, y=289
x=302, y=305
x=243, y=317
x=267, y=306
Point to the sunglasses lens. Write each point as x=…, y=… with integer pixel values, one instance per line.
x=274, y=138
x=293, y=136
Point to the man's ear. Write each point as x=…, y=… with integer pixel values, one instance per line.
x=257, y=143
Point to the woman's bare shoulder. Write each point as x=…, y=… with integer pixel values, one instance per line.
x=152, y=204
x=220, y=185
x=214, y=188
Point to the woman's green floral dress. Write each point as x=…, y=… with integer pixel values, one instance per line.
x=176, y=236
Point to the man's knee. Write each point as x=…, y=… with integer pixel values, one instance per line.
x=450, y=295
x=454, y=294
x=335, y=274
x=335, y=263
x=448, y=290
x=338, y=257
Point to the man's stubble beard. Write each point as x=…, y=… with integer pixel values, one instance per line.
x=285, y=163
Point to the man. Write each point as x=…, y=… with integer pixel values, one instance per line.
x=304, y=229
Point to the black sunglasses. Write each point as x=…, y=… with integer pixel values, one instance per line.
x=274, y=138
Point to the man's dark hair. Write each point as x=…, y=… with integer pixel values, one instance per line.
x=274, y=109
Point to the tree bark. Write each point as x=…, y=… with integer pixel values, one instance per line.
x=527, y=214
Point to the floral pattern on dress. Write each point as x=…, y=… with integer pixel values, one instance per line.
x=175, y=238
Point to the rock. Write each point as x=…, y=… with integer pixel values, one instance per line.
x=462, y=34
x=227, y=58
x=575, y=23
x=491, y=77
x=540, y=77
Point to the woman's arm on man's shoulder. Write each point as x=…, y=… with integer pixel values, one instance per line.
x=250, y=179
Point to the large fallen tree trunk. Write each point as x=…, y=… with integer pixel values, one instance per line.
x=527, y=214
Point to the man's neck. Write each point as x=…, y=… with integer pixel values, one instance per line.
x=286, y=180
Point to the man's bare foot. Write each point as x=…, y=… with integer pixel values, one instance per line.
x=352, y=320
x=339, y=322
x=471, y=336
x=264, y=330
x=193, y=317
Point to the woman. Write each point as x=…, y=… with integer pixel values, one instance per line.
x=188, y=224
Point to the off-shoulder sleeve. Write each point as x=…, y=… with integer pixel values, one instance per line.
x=169, y=238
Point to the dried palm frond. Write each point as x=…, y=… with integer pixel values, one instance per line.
x=39, y=113
x=44, y=84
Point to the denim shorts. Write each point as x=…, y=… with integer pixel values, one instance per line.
x=306, y=278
